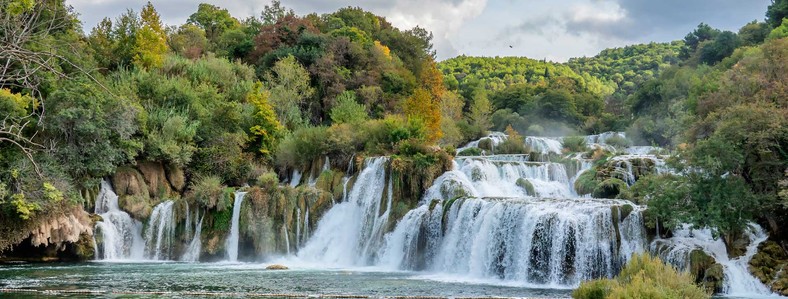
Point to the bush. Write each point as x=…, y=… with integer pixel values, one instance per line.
x=610, y=188
x=348, y=110
x=207, y=191
x=643, y=277
x=574, y=143
x=618, y=142
x=470, y=152
x=514, y=144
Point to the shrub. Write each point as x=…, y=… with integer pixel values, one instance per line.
x=514, y=144
x=470, y=152
x=586, y=182
x=206, y=191
x=643, y=277
x=610, y=188
x=574, y=143
x=618, y=142
x=348, y=110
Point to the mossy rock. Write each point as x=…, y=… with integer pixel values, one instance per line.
x=84, y=249
x=609, y=188
x=527, y=186
x=470, y=152
x=138, y=206
x=626, y=210
x=699, y=263
x=486, y=144
x=713, y=278
x=586, y=182
x=770, y=266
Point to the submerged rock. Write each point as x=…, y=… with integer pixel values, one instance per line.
x=277, y=267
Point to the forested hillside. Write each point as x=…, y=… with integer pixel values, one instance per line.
x=187, y=111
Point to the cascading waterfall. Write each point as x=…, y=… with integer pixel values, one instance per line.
x=192, y=253
x=533, y=241
x=232, y=240
x=117, y=235
x=738, y=280
x=344, y=233
x=160, y=232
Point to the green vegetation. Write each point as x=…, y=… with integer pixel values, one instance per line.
x=644, y=276
x=189, y=110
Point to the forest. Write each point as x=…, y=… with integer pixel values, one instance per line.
x=222, y=102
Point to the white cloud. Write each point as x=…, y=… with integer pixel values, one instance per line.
x=557, y=29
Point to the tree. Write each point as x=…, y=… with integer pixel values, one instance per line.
x=480, y=110
x=150, y=42
x=720, y=47
x=779, y=32
x=776, y=12
x=420, y=106
x=189, y=41
x=288, y=83
x=753, y=33
x=267, y=130
x=348, y=110
x=274, y=12
x=214, y=20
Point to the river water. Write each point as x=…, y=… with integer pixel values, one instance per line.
x=234, y=280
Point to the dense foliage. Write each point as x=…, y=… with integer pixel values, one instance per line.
x=644, y=276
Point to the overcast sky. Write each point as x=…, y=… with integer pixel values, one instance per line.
x=556, y=30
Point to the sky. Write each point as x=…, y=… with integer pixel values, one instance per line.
x=553, y=29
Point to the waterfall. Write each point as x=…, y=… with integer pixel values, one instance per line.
x=295, y=179
x=192, y=253
x=160, y=232
x=117, y=235
x=232, y=240
x=298, y=228
x=345, y=231
x=738, y=281
x=544, y=242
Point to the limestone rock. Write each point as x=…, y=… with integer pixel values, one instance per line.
x=277, y=267
x=129, y=181
x=176, y=177
x=62, y=228
x=156, y=178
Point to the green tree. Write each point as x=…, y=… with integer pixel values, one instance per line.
x=480, y=110
x=267, y=130
x=189, y=40
x=348, y=110
x=214, y=20
x=289, y=85
x=776, y=12
x=150, y=42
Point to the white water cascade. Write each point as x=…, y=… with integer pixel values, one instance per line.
x=117, y=236
x=160, y=234
x=545, y=242
x=738, y=281
x=347, y=234
x=232, y=240
x=192, y=253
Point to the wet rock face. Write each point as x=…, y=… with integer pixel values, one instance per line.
x=770, y=266
x=707, y=272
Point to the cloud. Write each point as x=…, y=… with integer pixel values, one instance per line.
x=556, y=29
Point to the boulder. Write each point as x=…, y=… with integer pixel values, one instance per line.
x=277, y=267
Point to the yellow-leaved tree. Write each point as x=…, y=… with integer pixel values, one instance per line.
x=267, y=130
x=150, y=41
x=425, y=103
